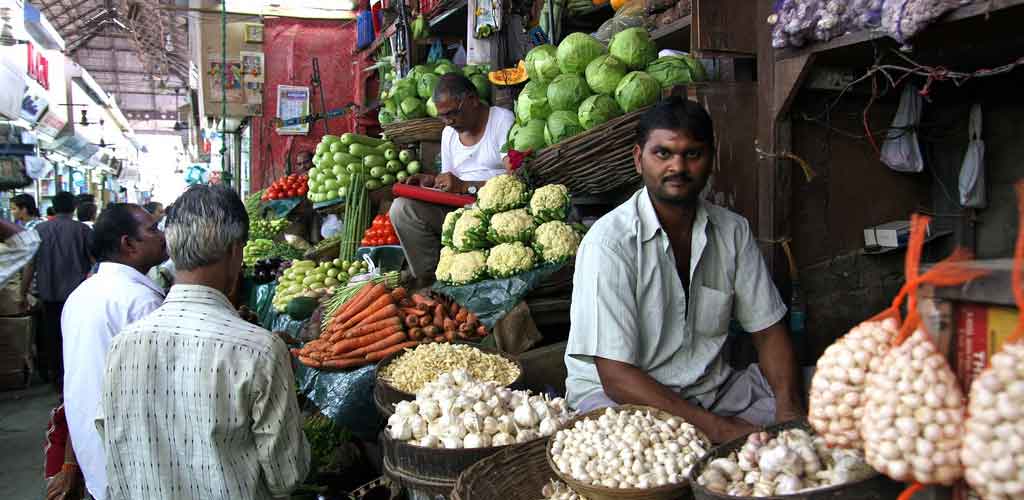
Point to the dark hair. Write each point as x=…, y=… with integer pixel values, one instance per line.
x=26, y=202
x=454, y=85
x=50, y=211
x=116, y=221
x=87, y=212
x=64, y=203
x=152, y=207
x=677, y=113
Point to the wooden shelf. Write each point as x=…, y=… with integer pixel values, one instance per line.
x=680, y=24
x=884, y=250
x=959, y=14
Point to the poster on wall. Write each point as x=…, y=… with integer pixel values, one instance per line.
x=292, y=102
x=252, y=66
x=225, y=83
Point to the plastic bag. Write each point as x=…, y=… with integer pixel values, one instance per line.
x=902, y=19
x=345, y=397
x=332, y=224
x=901, y=151
x=972, y=172
x=492, y=299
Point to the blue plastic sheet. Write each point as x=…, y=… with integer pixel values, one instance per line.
x=491, y=300
x=283, y=207
x=345, y=397
x=261, y=301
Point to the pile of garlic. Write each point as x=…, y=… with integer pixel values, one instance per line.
x=791, y=462
x=628, y=449
x=458, y=411
x=913, y=415
x=557, y=490
x=836, y=399
x=993, y=450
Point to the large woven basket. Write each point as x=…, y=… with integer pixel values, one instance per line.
x=413, y=131
x=517, y=473
x=875, y=487
x=667, y=492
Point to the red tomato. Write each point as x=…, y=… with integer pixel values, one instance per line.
x=392, y=240
x=303, y=189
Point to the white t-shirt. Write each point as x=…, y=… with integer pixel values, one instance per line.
x=482, y=160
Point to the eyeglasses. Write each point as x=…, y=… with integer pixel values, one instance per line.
x=449, y=116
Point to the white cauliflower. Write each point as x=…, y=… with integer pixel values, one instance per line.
x=470, y=231
x=550, y=202
x=444, y=264
x=514, y=225
x=468, y=267
x=501, y=193
x=556, y=241
x=508, y=259
x=448, y=226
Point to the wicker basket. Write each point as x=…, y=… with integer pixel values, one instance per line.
x=413, y=131
x=512, y=474
x=876, y=487
x=597, y=161
x=667, y=492
x=385, y=396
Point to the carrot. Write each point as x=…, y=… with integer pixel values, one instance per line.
x=432, y=331
x=368, y=327
x=449, y=335
x=465, y=328
x=472, y=318
x=365, y=289
x=310, y=362
x=295, y=352
x=450, y=324
x=462, y=315
x=398, y=294
x=348, y=345
x=415, y=334
x=386, y=312
x=481, y=331
x=421, y=300
x=412, y=311
x=379, y=355
x=439, y=316
x=390, y=340
x=425, y=321
x=461, y=334
x=412, y=321
x=356, y=307
x=341, y=364
x=381, y=302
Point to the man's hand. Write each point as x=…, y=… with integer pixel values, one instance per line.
x=66, y=484
x=729, y=428
x=788, y=410
x=424, y=180
x=448, y=182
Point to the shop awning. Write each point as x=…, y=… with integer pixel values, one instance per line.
x=73, y=146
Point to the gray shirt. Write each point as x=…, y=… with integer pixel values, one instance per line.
x=63, y=260
x=629, y=305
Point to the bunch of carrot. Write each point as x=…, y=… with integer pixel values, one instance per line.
x=366, y=329
x=439, y=319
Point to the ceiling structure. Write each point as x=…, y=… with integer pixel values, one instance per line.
x=137, y=50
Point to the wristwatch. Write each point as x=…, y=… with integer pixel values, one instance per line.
x=471, y=190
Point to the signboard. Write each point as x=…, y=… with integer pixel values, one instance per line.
x=38, y=66
x=292, y=102
x=33, y=105
x=14, y=88
x=51, y=123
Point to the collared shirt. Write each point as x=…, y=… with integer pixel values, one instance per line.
x=96, y=312
x=629, y=305
x=63, y=260
x=198, y=404
x=15, y=252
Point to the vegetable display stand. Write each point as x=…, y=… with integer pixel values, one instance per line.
x=386, y=257
x=517, y=473
x=876, y=487
x=415, y=130
x=329, y=203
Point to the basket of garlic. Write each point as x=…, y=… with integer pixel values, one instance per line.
x=402, y=374
x=627, y=452
x=516, y=473
x=455, y=421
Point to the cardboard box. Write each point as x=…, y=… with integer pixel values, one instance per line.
x=891, y=234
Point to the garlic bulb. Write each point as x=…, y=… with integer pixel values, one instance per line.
x=525, y=416
x=913, y=417
x=627, y=449
x=502, y=439
x=475, y=440
x=557, y=490
x=836, y=398
x=993, y=450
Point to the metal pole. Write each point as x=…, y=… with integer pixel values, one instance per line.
x=316, y=84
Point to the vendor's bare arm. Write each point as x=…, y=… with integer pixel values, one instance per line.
x=778, y=364
x=627, y=384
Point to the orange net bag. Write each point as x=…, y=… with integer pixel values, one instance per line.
x=993, y=450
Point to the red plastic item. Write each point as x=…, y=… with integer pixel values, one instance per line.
x=432, y=195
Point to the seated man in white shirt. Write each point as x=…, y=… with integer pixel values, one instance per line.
x=470, y=155
x=126, y=242
x=657, y=282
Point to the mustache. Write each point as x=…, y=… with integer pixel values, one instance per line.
x=680, y=177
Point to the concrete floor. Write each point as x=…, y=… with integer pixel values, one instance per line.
x=24, y=415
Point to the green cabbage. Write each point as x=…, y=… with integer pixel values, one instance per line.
x=410, y=108
x=670, y=70
x=561, y=125
x=634, y=47
x=445, y=68
x=696, y=69
x=425, y=85
x=529, y=136
x=566, y=92
x=431, y=108
x=637, y=90
x=404, y=88
x=603, y=74
x=483, y=86
x=389, y=104
x=576, y=51
x=542, y=63
x=385, y=117
x=532, y=103
x=598, y=109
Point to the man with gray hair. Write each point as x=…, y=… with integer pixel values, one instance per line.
x=198, y=403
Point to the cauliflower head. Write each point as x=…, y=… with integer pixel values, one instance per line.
x=501, y=193
x=470, y=231
x=556, y=241
x=444, y=265
x=468, y=267
x=448, y=227
x=550, y=202
x=509, y=259
x=514, y=225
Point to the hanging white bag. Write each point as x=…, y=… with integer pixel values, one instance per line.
x=901, y=152
x=972, y=172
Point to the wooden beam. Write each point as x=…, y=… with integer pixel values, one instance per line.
x=788, y=75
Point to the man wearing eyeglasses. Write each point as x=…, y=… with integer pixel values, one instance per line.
x=470, y=155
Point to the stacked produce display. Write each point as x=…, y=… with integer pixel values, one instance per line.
x=411, y=97
x=306, y=278
x=507, y=232
x=260, y=249
x=380, y=232
x=337, y=159
x=287, y=187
